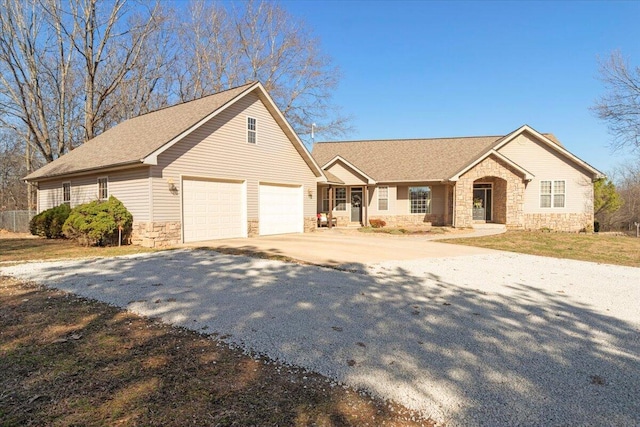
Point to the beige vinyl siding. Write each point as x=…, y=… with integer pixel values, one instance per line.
x=403, y=205
x=398, y=200
x=131, y=187
x=346, y=174
x=219, y=150
x=83, y=190
x=548, y=165
x=373, y=201
x=49, y=195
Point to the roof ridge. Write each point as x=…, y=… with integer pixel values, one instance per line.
x=409, y=139
x=193, y=100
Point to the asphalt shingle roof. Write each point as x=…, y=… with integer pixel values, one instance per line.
x=409, y=159
x=132, y=140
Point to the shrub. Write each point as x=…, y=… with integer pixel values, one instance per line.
x=49, y=223
x=98, y=223
x=377, y=223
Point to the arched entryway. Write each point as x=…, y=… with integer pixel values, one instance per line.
x=490, y=200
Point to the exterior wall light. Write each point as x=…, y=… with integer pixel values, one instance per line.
x=172, y=185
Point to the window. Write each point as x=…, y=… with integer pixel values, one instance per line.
x=325, y=199
x=383, y=198
x=66, y=193
x=103, y=188
x=552, y=194
x=420, y=198
x=251, y=130
x=558, y=194
x=341, y=199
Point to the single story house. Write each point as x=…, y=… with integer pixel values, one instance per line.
x=525, y=180
x=223, y=166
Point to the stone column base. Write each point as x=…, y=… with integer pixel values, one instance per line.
x=156, y=234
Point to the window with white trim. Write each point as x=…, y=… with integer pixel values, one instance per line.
x=325, y=199
x=251, y=130
x=341, y=198
x=66, y=193
x=552, y=194
x=420, y=199
x=383, y=198
x=103, y=188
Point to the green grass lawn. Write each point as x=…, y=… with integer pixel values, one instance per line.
x=608, y=249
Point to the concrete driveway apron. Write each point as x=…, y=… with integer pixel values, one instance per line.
x=344, y=250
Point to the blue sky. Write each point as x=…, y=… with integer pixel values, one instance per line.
x=435, y=69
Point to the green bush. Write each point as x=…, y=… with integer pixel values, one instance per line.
x=49, y=223
x=98, y=222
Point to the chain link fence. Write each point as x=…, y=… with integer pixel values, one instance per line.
x=16, y=221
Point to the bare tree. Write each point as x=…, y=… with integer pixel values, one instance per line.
x=627, y=178
x=29, y=83
x=67, y=65
x=13, y=191
x=208, y=60
x=620, y=106
x=259, y=40
x=111, y=40
x=70, y=69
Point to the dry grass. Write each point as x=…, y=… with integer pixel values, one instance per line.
x=608, y=249
x=22, y=248
x=70, y=361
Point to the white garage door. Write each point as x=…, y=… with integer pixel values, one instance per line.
x=280, y=209
x=212, y=210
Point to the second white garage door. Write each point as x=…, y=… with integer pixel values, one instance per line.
x=213, y=210
x=280, y=209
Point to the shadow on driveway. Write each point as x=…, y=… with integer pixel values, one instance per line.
x=460, y=352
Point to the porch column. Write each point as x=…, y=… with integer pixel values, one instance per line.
x=446, y=204
x=365, y=214
x=330, y=213
x=453, y=220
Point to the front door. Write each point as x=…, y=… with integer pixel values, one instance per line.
x=482, y=202
x=356, y=205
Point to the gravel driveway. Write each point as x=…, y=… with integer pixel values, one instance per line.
x=493, y=339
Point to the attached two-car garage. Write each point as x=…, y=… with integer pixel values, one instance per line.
x=217, y=209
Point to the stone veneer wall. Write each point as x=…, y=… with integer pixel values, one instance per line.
x=410, y=220
x=156, y=234
x=253, y=229
x=572, y=222
x=510, y=184
x=164, y=234
x=310, y=224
